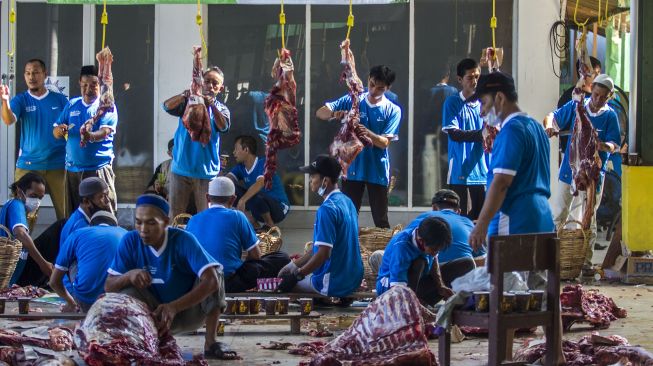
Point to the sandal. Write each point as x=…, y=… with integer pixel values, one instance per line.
x=221, y=351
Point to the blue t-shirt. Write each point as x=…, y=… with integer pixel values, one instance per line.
x=399, y=254
x=192, y=159
x=336, y=226
x=521, y=149
x=96, y=154
x=605, y=122
x=249, y=178
x=77, y=220
x=92, y=249
x=372, y=164
x=175, y=267
x=224, y=234
x=12, y=215
x=460, y=228
x=39, y=150
x=467, y=165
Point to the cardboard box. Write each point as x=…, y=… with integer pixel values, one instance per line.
x=639, y=270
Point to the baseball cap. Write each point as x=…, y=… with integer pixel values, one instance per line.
x=324, y=165
x=221, y=187
x=445, y=196
x=604, y=80
x=91, y=185
x=491, y=83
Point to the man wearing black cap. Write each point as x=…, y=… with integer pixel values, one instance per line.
x=334, y=267
x=96, y=157
x=94, y=193
x=519, y=175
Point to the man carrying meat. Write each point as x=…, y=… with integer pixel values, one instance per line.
x=259, y=204
x=461, y=121
x=410, y=259
x=168, y=270
x=86, y=256
x=226, y=233
x=379, y=119
x=605, y=121
x=36, y=110
x=334, y=267
x=94, y=159
x=194, y=164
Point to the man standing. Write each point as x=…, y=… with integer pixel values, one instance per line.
x=168, y=270
x=334, y=267
x=379, y=119
x=438, y=94
x=604, y=120
x=193, y=164
x=464, y=127
x=37, y=109
x=94, y=159
x=258, y=203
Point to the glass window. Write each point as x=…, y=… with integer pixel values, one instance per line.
x=244, y=43
x=130, y=36
x=461, y=28
x=379, y=36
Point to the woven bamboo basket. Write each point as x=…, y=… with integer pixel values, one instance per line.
x=374, y=238
x=270, y=241
x=130, y=182
x=9, y=254
x=573, y=246
x=180, y=221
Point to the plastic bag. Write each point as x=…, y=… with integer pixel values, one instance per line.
x=479, y=280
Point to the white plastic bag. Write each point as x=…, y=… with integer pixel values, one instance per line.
x=479, y=280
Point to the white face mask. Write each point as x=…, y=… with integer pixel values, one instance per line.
x=322, y=188
x=377, y=98
x=491, y=118
x=32, y=204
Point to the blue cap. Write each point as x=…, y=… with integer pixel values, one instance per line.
x=154, y=200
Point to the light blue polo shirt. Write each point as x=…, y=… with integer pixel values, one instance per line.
x=174, y=267
x=192, y=159
x=336, y=226
x=96, y=154
x=372, y=164
x=224, y=234
x=39, y=150
x=460, y=227
x=521, y=149
x=467, y=165
x=399, y=254
x=12, y=215
x=605, y=122
x=249, y=178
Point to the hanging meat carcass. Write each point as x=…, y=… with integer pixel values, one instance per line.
x=107, y=101
x=390, y=331
x=280, y=107
x=349, y=141
x=196, y=115
x=584, y=147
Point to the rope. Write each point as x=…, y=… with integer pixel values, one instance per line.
x=198, y=21
x=493, y=26
x=12, y=34
x=104, y=20
x=578, y=24
x=282, y=22
x=350, y=19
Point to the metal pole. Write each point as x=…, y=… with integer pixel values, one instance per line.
x=634, y=51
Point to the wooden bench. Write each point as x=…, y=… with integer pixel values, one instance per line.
x=299, y=295
x=294, y=317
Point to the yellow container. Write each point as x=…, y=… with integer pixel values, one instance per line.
x=637, y=202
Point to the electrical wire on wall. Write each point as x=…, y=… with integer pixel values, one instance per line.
x=558, y=42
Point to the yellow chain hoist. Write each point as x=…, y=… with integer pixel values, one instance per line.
x=350, y=19
x=198, y=21
x=104, y=20
x=12, y=34
x=282, y=23
x=580, y=25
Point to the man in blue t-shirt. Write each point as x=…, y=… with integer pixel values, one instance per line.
x=519, y=176
x=89, y=144
x=94, y=194
x=168, y=270
x=85, y=257
x=606, y=123
x=36, y=110
x=269, y=206
x=334, y=267
x=194, y=164
x=407, y=259
x=379, y=119
x=461, y=121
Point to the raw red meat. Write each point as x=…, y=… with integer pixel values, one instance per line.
x=196, y=116
x=61, y=339
x=15, y=291
x=107, y=101
x=489, y=137
x=349, y=141
x=280, y=106
x=595, y=308
x=11, y=355
x=390, y=331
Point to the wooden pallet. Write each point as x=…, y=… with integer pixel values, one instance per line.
x=294, y=317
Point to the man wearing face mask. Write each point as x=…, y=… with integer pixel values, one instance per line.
x=94, y=193
x=94, y=159
x=334, y=267
x=605, y=121
x=519, y=176
x=379, y=119
x=27, y=194
x=193, y=164
x=463, y=125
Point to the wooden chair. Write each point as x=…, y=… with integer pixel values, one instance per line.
x=529, y=252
